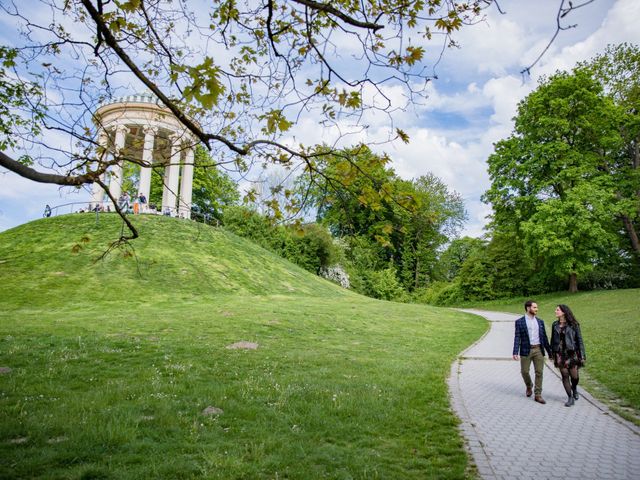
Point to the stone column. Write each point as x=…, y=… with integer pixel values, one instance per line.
x=97, y=193
x=115, y=187
x=147, y=156
x=186, y=186
x=171, y=177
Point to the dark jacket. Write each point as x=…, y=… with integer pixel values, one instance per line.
x=521, y=343
x=572, y=339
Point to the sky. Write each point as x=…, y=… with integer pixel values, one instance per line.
x=470, y=106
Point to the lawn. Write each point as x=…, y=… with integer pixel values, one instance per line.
x=610, y=324
x=114, y=362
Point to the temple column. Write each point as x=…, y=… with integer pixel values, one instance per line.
x=147, y=157
x=97, y=193
x=172, y=176
x=186, y=186
x=115, y=187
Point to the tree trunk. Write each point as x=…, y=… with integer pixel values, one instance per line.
x=573, y=282
x=631, y=232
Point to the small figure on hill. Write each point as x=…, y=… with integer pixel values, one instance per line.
x=568, y=350
x=142, y=199
x=47, y=211
x=123, y=202
x=529, y=344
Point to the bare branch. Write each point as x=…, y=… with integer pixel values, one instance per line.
x=41, y=177
x=323, y=7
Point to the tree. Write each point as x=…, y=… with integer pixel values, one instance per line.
x=436, y=218
x=237, y=75
x=551, y=177
x=408, y=226
x=451, y=260
x=618, y=71
x=237, y=81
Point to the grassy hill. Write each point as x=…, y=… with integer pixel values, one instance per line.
x=114, y=361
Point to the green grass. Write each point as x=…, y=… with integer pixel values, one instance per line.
x=113, y=363
x=610, y=323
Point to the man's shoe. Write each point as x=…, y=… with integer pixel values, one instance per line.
x=539, y=399
x=529, y=391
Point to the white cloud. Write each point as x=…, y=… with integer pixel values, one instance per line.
x=469, y=108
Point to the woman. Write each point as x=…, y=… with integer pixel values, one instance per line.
x=568, y=350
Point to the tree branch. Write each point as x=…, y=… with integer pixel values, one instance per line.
x=180, y=115
x=323, y=7
x=32, y=174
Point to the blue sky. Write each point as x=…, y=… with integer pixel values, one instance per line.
x=470, y=106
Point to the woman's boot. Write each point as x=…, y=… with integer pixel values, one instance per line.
x=575, y=393
x=570, y=402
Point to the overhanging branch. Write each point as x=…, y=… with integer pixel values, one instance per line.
x=41, y=177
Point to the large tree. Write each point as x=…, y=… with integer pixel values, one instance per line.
x=553, y=177
x=237, y=74
x=408, y=226
x=618, y=71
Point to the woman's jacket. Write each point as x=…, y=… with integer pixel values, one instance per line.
x=572, y=339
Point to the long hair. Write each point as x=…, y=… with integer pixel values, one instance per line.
x=568, y=315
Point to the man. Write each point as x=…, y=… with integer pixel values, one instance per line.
x=529, y=345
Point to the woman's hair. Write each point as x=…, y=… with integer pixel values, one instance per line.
x=568, y=315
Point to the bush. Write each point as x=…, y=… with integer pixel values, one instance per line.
x=384, y=284
x=312, y=248
x=440, y=293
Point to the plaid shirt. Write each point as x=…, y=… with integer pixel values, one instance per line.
x=521, y=344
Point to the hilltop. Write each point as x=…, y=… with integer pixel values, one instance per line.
x=62, y=258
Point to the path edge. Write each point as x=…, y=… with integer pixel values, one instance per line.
x=472, y=441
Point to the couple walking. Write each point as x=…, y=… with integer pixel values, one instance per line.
x=566, y=349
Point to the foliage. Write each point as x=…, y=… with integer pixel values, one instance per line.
x=402, y=230
x=250, y=224
x=237, y=82
x=558, y=178
x=21, y=110
x=309, y=246
x=123, y=355
x=383, y=284
x=440, y=293
x=451, y=260
x=618, y=71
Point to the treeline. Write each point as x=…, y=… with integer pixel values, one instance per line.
x=565, y=190
x=565, y=196
x=372, y=227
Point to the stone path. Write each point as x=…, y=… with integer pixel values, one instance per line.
x=510, y=436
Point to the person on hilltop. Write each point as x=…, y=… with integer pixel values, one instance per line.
x=142, y=199
x=529, y=344
x=568, y=350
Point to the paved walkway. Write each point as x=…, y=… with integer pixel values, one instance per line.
x=510, y=436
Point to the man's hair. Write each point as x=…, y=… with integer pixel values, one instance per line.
x=527, y=304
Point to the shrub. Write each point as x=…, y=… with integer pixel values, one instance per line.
x=384, y=284
x=440, y=293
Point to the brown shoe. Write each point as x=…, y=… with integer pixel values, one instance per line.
x=539, y=399
x=529, y=391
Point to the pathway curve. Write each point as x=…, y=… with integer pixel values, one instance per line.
x=510, y=436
